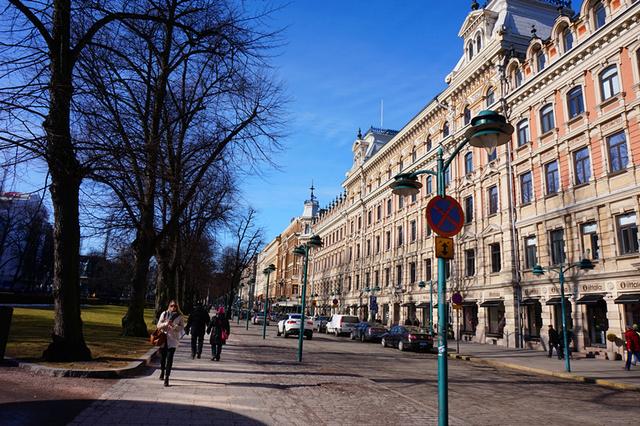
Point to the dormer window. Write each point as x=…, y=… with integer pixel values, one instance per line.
x=567, y=39
x=517, y=77
x=541, y=60
x=470, y=50
x=445, y=129
x=478, y=42
x=599, y=14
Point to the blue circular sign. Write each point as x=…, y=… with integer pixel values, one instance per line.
x=445, y=216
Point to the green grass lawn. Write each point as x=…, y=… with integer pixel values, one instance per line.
x=31, y=333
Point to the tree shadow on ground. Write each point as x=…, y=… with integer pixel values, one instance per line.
x=273, y=373
x=61, y=412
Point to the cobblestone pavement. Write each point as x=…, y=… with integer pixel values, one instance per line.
x=342, y=382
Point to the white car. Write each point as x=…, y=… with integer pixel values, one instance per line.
x=291, y=325
x=258, y=318
x=342, y=324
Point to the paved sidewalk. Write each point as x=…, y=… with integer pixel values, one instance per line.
x=602, y=372
x=254, y=384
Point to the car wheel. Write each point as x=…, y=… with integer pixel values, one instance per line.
x=335, y=332
x=278, y=333
x=309, y=336
x=284, y=333
x=383, y=342
x=401, y=346
x=353, y=336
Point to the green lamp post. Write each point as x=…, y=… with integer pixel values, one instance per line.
x=488, y=130
x=267, y=271
x=251, y=288
x=303, y=250
x=585, y=265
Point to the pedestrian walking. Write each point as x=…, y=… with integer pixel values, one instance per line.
x=197, y=325
x=554, y=342
x=220, y=330
x=172, y=324
x=633, y=345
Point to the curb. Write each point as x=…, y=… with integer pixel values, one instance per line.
x=561, y=375
x=107, y=373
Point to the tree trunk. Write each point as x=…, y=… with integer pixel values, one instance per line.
x=66, y=175
x=133, y=322
x=164, y=291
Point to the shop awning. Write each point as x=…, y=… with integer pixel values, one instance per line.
x=589, y=299
x=408, y=303
x=422, y=305
x=628, y=298
x=354, y=305
x=491, y=303
x=531, y=301
x=469, y=302
x=554, y=301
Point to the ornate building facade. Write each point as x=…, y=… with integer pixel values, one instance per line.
x=565, y=188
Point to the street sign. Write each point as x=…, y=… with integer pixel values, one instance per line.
x=444, y=247
x=456, y=307
x=335, y=301
x=445, y=216
x=456, y=298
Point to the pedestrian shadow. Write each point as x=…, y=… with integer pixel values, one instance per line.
x=88, y=412
x=271, y=373
x=277, y=386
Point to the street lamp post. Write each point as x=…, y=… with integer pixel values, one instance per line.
x=303, y=250
x=267, y=271
x=251, y=288
x=584, y=264
x=488, y=130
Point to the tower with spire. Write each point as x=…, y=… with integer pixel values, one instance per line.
x=311, y=207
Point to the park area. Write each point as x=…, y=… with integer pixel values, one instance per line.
x=31, y=328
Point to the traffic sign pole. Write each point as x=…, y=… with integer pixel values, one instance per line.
x=443, y=375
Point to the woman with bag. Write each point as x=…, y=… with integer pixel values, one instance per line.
x=172, y=324
x=219, y=329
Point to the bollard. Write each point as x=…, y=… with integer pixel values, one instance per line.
x=6, y=312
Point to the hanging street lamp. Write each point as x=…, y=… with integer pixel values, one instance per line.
x=488, y=130
x=303, y=250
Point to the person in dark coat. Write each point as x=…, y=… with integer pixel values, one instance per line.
x=219, y=332
x=197, y=325
x=554, y=342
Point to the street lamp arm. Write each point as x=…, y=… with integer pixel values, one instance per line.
x=423, y=172
x=455, y=152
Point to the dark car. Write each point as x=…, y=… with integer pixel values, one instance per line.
x=368, y=332
x=408, y=338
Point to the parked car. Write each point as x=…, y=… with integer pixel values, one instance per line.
x=368, y=331
x=407, y=338
x=291, y=325
x=320, y=323
x=258, y=318
x=342, y=324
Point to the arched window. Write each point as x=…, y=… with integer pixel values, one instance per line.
x=609, y=82
x=599, y=14
x=567, y=39
x=478, y=42
x=523, y=132
x=468, y=163
x=491, y=96
x=466, y=115
x=429, y=144
x=470, y=50
x=541, y=60
x=445, y=129
x=547, y=122
x=517, y=77
x=575, y=102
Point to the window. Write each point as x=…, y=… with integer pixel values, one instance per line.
x=491, y=97
x=389, y=207
x=357, y=251
x=599, y=15
x=400, y=235
x=428, y=230
x=379, y=212
x=428, y=269
x=575, y=102
x=466, y=115
x=546, y=118
x=496, y=265
x=387, y=277
x=357, y=282
x=414, y=198
x=445, y=129
x=376, y=279
x=429, y=185
x=618, y=158
x=590, y=245
x=478, y=42
x=412, y=272
x=470, y=49
x=400, y=201
x=414, y=230
x=349, y=284
x=468, y=209
x=523, y=132
x=493, y=200
x=530, y=252
x=399, y=275
x=556, y=238
x=609, y=82
x=401, y=164
x=369, y=217
x=517, y=77
x=468, y=163
x=469, y=319
x=367, y=280
x=526, y=188
x=429, y=144
x=377, y=243
x=627, y=233
x=582, y=165
x=387, y=240
x=492, y=156
x=567, y=38
x=447, y=268
x=541, y=60
x=414, y=156
x=533, y=322
x=552, y=177
x=368, y=247
x=495, y=320
x=447, y=177
x=470, y=262
x=359, y=222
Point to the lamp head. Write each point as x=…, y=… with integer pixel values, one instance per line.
x=422, y=284
x=300, y=251
x=367, y=289
x=586, y=264
x=405, y=184
x=489, y=130
x=269, y=269
x=537, y=270
x=315, y=241
x=376, y=288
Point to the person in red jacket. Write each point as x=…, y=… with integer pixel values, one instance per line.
x=633, y=346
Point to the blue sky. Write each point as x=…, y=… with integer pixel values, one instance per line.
x=340, y=60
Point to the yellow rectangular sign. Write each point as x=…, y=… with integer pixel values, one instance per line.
x=444, y=247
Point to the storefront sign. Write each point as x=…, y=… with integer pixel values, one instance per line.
x=531, y=291
x=591, y=287
x=625, y=285
x=494, y=294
